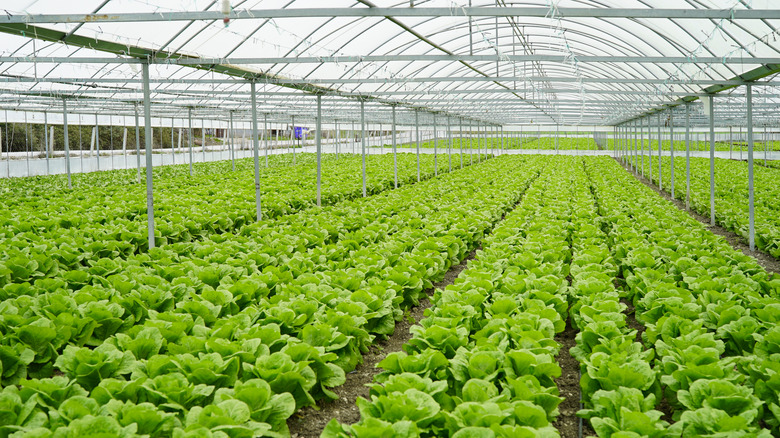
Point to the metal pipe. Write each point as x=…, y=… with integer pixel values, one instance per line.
x=395, y=156
x=449, y=141
x=148, y=138
x=671, y=138
x=363, y=144
x=435, y=151
x=65, y=137
x=751, y=194
x=318, y=140
x=461, y=143
x=230, y=143
x=687, y=156
x=256, y=144
x=712, y=160
x=189, y=133
x=417, y=138
x=137, y=144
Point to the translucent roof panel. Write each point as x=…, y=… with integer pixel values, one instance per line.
x=589, y=62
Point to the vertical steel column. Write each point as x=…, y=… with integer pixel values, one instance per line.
x=435, y=149
x=232, y=147
x=97, y=141
x=318, y=140
x=557, y=134
x=503, y=146
x=731, y=141
x=395, y=156
x=65, y=136
x=338, y=138
x=449, y=141
x=671, y=146
x=124, y=145
x=148, y=138
x=363, y=144
x=712, y=160
x=46, y=139
x=687, y=155
x=751, y=194
x=266, y=136
x=641, y=143
x=189, y=135
x=137, y=144
x=203, y=138
x=256, y=144
x=471, y=147
x=660, y=149
x=650, y=148
x=173, y=145
x=417, y=137
x=292, y=138
x=460, y=141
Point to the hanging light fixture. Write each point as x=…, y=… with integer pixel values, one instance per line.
x=226, y=12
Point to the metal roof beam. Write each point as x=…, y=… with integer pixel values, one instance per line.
x=214, y=63
x=537, y=12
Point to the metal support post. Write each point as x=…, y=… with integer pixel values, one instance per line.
x=363, y=144
x=671, y=146
x=751, y=195
x=46, y=139
x=449, y=141
x=660, y=149
x=256, y=144
x=189, y=135
x=230, y=143
x=712, y=160
x=395, y=156
x=435, y=149
x=148, y=138
x=137, y=144
x=266, y=138
x=65, y=136
x=461, y=143
x=417, y=138
x=97, y=141
x=687, y=156
x=318, y=140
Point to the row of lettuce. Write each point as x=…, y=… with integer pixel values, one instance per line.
x=47, y=234
x=230, y=336
x=513, y=140
x=482, y=363
x=710, y=316
x=731, y=195
x=699, y=142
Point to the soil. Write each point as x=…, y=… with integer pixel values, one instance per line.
x=631, y=320
x=567, y=423
x=309, y=422
x=769, y=263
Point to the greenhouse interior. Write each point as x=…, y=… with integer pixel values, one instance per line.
x=365, y=219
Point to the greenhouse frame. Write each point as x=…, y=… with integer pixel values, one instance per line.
x=356, y=218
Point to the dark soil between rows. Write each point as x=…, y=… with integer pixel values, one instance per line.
x=309, y=422
x=769, y=263
x=567, y=423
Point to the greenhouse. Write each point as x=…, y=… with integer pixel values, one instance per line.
x=365, y=219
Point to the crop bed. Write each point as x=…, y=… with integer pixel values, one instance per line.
x=588, y=243
x=230, y=335
x=731, y=196
x=236, y=332
x=48, y=231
